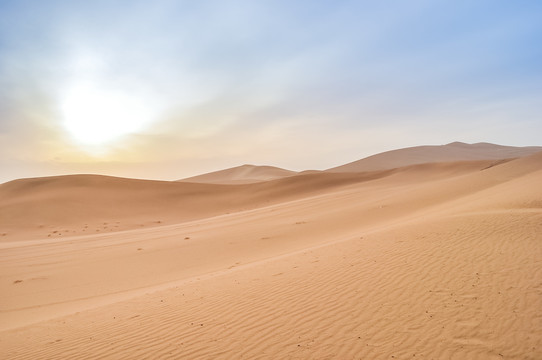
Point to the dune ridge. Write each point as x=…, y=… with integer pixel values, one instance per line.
x=244, y=174
x=456, y=151
x=82, y=204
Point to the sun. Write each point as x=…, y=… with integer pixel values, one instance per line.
x=97, y=116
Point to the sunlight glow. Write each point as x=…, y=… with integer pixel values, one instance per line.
x=95, y=116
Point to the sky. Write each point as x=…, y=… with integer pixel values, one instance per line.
x=167, y=89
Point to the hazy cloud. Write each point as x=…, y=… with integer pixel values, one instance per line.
x=270, y=81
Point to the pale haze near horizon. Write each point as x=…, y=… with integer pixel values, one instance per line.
x=170, y=89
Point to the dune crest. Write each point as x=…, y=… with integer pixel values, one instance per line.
x=456, y=151
x=244, y=174
x=60, y=206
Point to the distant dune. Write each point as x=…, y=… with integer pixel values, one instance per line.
x=434, y=260
x=456, y=151
x=61, y=206
x=244, y=174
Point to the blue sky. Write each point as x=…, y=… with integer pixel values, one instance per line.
x=167, y=89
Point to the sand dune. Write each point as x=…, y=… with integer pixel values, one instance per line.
x=437, y=260
x=60, y=206
x=244, y=174
x=456, y=151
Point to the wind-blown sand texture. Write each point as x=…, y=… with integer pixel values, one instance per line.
x=431, y=261
x=244, y=174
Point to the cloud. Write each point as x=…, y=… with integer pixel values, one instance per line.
x=257, y=81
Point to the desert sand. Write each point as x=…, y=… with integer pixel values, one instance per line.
x=456, y=151
x=431, y=260
x=244, y=174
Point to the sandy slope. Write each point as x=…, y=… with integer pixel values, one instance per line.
x=429, y=261
x=244, y=174
x=456, y=151
x=60, y=206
